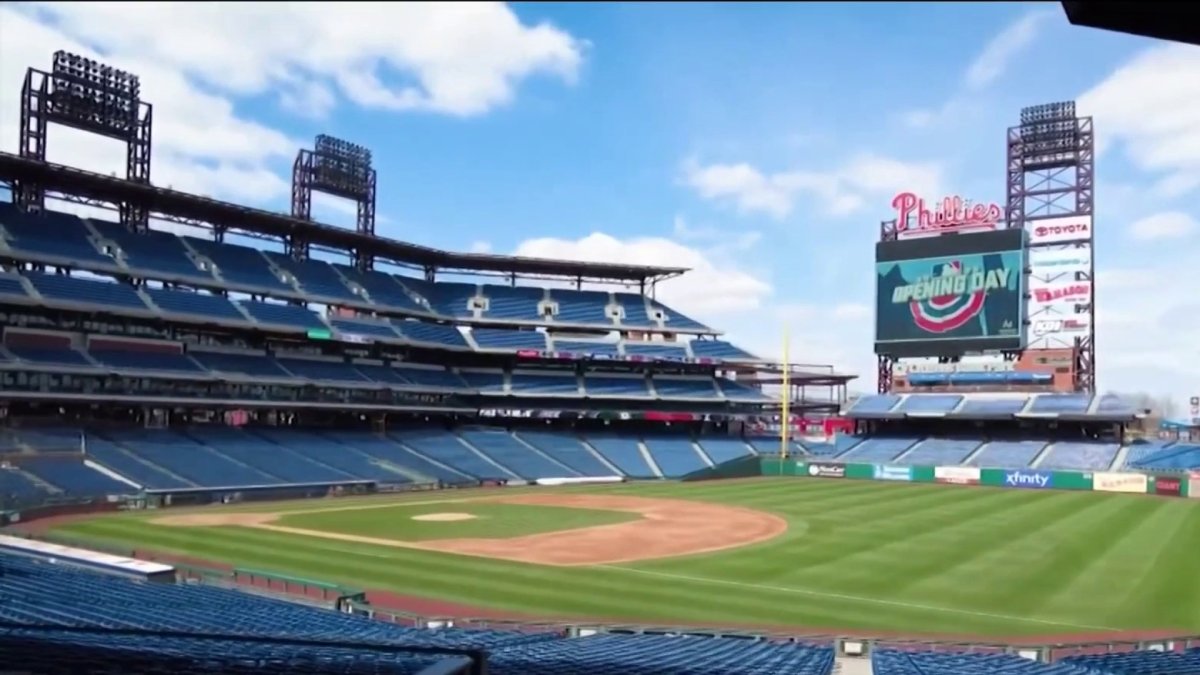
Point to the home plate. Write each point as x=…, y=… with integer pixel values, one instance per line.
x=444, y=517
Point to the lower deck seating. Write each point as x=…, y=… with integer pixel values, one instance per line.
x=623, y=452
x=676, y=457
x=1080, y=456
x=891, y=662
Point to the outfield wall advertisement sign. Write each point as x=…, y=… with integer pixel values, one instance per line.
x=1062, y=230
x=1168, y=486
x=1037, y=480
x=957, y=475
x=1194, y=485
x=1054, y=261
x=901, y=473
x=1133, y=483
x=822, y=470
x=951, y=295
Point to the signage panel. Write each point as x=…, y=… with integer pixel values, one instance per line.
x=915, y=218
x=1168, y=486
x=1037, y=480
x=1059, y=260
x=957, y=475
x=1060, y=230
x=823, y=470
x=900, y=473
x=1133, y=483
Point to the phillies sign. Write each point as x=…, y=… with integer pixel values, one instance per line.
x=952, y=214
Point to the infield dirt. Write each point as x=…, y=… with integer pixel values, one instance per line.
x=667, y=528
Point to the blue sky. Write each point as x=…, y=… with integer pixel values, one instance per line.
x=760, y=144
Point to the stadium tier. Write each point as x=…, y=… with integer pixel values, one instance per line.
x=996, y=406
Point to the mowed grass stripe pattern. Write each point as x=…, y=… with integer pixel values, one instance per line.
x=858, y=555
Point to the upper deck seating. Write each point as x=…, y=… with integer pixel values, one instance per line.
x=316, y=278
x=290, y=316
x=52, y=235
x=486, y=381
x=322, y=371
x=1060, y=403
x=982, y=405
x=656, y=350
x=493, y=338
x=675, y=320
x=719, y=349
x=929, y=403
x=431, y=377
x=161, y=254
x=384, y=290
x=1080, y=455
x=514, y=303
x=636, y=311
x=1007, y=454
x=51, y=356
x=366, y=328
x=536, y=384
x=241, y=266
x=196, y=304
x=431, y=333
x=685, y=387
x=584, y=347
x=452, y=298
x=94, y=292
x=10, y=285
x=614, y=386
x=582, y=307
x=874, y=404
x=740, y=392
x=175, y=362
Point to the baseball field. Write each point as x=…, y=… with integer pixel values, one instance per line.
x=819, y=554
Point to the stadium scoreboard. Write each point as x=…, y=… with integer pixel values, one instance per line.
x=950, y=295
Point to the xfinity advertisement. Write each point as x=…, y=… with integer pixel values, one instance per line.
x=1037, y=480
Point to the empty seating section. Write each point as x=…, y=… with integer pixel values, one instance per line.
x=676, y=321
x=383, y=289
x=52, y=234
x=675, y=457
x=874, y=404
x=10, y=284
x=507, y=451
x=431, y=333
x=993, y=406
x=1175, y=458
x=376, y=330
x=1007, y=454
x=160, y=253
x=656, y=350
x=51, y=356
x=878, y=450
x=584, y=347
x=670, y=387
x=431, y=377
x=391, y=454
x=739, y=391
x=290, y=316
x=599, y=385
x=659, y=655
x=269, y=458
x=718, y=349
x=930, y=404
x=133, y=467
x=73, y=477
x=623, y=452
x=1060, y=403
x=582, y=307
x=1140, y=663
x=1114, y=405
x=88, y=291
x=447, y=449
x=452, y=298
x=519, y=303
x=1140, y=450
x=636, y=313
x=568, y=450
x=15, y=484
x=352, y=463
x=889, y=662
x=196, y=304
x=724, y=449
x=494, y=338
x=248, y=365
x=545, y=385
x=241, y=266
x=188, y=459
x=486, y=381
x=315, y=277
x=327, y=371
x=147, y=360
x=1075, y=455
x=940, y=452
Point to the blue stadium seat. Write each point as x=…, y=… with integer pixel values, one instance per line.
x=675, y=456
x=290, y=466
x=722, y=450
x=130, y=465
x=388, y=453
x=52, y=356
x=323, y=371
x=940, y=452
x=384, y=290
x=191, y=461
x=891, y=662
x=74, y=477
x=586, y=348
x=52, y=236
x=718, y=349
x=10, y=285
x=333, y=454
x=93, y=292
x=1084, y=456
x=253, y=366
x=177, y=362
x=1140, y=662
x=494, y=338
x=431, y=377
x=568, y=450
x=1060, y=404
x=364, y=329
x=315, y=278
x=581, y=307
x=445, y=448
x=636, y=311
x=623, y=453
x=685, y=387
x=451, y=298
x=984, y=405
x=926, y=404
x=513, y=303
x=16, y=484
x=737, y=391
x=486, y=381
x=196, y=304
x=511, y=453
x=878, y=450
x=613, y=386
x=1178, y=457
x=530, y=384
x=657, y=350
x=441, y=335
x=874, y=404
x=1007, y=454
x=673, y=320
x=241, y=266
x=289, y=316
x=157, y=255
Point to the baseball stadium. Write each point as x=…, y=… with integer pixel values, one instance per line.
x=235, y=440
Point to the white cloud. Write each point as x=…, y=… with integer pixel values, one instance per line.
x=460, y=59
x=840, y=191
x=481, y=247
x=737, y=240
x=1150, y=108
x=1001, y=50
x=1168, y=225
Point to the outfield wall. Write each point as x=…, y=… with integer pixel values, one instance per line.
x=1020, y=479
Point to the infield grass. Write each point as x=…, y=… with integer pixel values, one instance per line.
x=858, y=555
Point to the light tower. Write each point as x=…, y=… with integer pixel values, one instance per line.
x=83, y=94
x=1051, y=193
x=341, y=169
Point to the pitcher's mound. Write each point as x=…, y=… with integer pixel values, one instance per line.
x=444, y=517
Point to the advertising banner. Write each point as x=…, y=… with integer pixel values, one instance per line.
x=1055, y=261
x=1134, y=483
x=901, y=473
x=1037, y=480
x=823, y=470
x=957, y=475
x=931, y=306
x=1168, y=486
x=1193, y=491
x=1061, y=293
x=1059, y=230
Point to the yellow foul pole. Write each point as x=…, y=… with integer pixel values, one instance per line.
x=786, y=419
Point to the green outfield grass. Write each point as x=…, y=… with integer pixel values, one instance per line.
x=858, y=555
x=491, y=521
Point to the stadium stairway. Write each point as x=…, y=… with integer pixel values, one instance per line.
x=1119, y=460
x=1041, y=456
x=649, y=459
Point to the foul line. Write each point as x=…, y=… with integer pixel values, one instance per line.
x=853, y=598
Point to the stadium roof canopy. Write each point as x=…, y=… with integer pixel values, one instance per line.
x=1175, y=21
x=97, y=186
